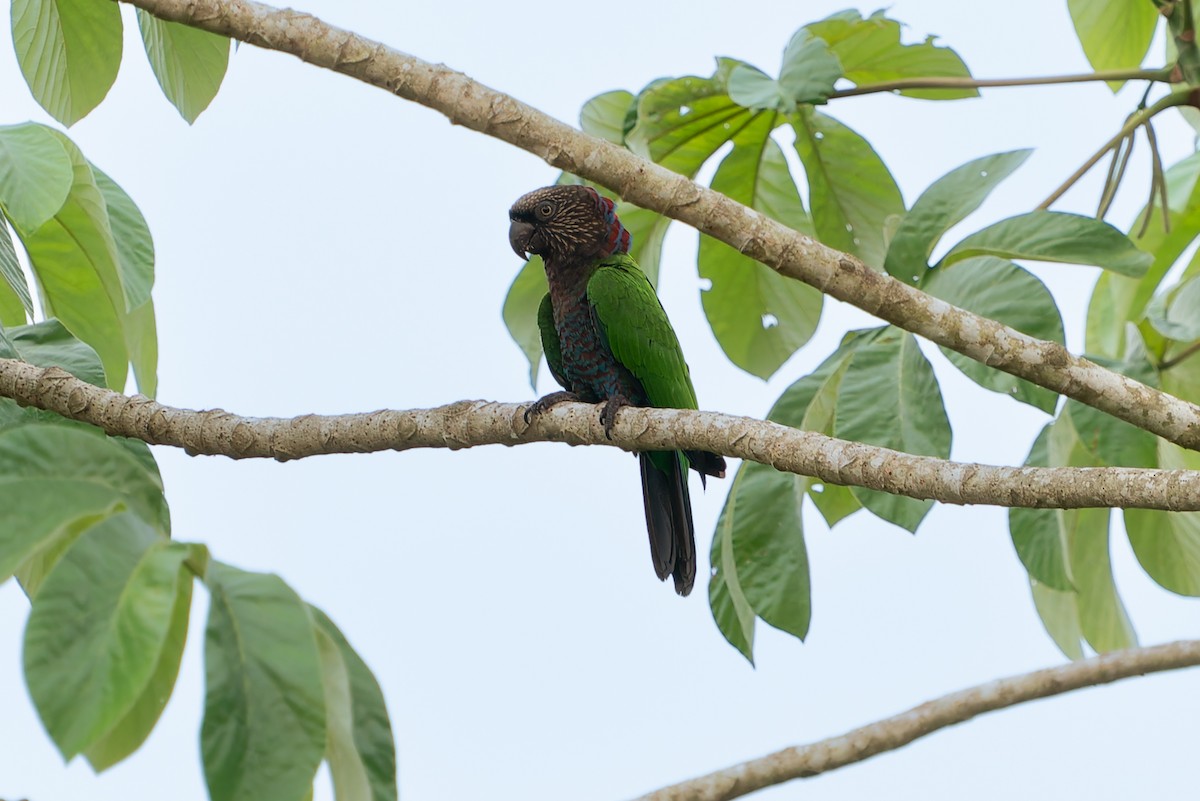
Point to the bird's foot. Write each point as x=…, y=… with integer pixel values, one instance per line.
x=608, y=415
x=542, y=404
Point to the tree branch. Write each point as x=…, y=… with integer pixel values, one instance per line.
x=804, y=761
x=469, y=103
x=468, y=424
x=946, y=82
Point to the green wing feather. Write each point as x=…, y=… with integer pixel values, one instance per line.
x=638, y=332
x=551, y=345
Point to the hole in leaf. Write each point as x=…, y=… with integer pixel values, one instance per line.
x=818, y=135
x=769, y=321
x=705, y=284
x=983, y=173
x=817, y=488
x=684, y=110
x=849, y=227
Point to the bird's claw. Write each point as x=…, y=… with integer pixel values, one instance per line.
x=544, y=403
x=608, y=415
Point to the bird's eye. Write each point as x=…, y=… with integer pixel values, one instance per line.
x=545, y=210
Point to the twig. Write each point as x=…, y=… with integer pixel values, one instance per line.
x=1131, y=124
x=889, y=734
x=468, y=424
x=987, y=83
x=1116, y=173
x=1190, y=350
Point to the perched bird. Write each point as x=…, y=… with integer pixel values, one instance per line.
x=607, y=338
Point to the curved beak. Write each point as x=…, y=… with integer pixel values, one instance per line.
x=519, y=234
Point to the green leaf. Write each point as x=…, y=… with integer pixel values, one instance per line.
x=1037, y=535
x=98, y=628
x=141, y=335
x=810, y=404
x=1002, y=291
x=682, y=122
x=1111, y=441
x=35, y=174
x=16, y=306
x=47, y=344
x=759, y=548
x=40, y=492
x=851, y=193
x=263, y=734
x=1057, y=237
x=1102, y=617
x=69, y=52
x=1167, y=544
x=809, y=69
x=131, y=731
x=75, y=260
x=759, y=317
x=189, y=63
x=131, y=240
x=520, y=312
x=754, y=89
x=870, y=52
x=604, y=116
x=1176, y=313
x=1115, y=34
x=359, y=746
x=947, y=202
x=1059, y=612
x=889, y=397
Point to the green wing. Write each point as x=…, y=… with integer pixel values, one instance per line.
x=551, y=345
x=638, y=333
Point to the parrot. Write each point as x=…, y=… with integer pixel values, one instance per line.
x=607, y=339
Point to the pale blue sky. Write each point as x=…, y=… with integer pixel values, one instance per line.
x=324, y=247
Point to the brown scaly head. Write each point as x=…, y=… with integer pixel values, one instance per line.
x=563, y=224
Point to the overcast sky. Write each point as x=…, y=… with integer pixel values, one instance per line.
x=325, y=247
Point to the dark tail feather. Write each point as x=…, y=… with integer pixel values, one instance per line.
x=669, y=521
x=706, y=464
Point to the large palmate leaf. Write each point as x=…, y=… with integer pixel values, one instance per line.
x=759, y=317
x=69, y=52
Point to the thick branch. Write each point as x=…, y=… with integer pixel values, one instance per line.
x=947, y=82
x=803, y=761
x=470, y=423
x=469, y=103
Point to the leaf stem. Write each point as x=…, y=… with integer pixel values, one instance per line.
x=1135, y=120
x=1190, y=350
x=946, y=82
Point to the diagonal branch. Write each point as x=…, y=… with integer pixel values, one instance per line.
x=468, y=424
x=804, y=761
x=471, y=104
